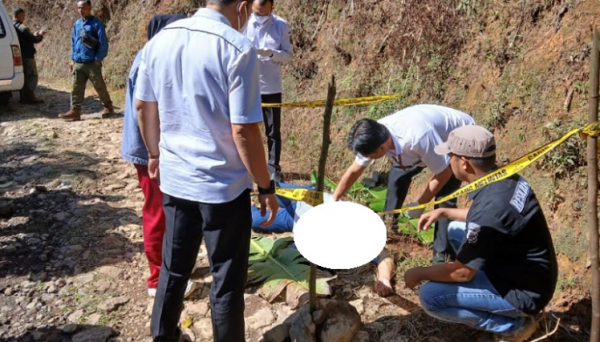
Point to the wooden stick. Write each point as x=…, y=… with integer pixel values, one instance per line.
x=321, y=182
x=592, y=159
x=548, y=334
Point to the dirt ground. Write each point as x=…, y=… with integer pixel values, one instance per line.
x=72, y=266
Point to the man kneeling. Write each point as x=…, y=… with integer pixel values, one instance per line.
x=505, y=271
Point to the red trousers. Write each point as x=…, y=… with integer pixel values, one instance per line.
x=153, y=221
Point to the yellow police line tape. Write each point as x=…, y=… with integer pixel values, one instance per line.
x=341, y=102
x=314, y=198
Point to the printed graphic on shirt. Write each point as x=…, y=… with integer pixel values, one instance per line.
x=520, y=196
x=473, y=230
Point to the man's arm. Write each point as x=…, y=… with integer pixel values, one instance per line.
x=73, y=41
x=286, y=53
x=102, y=51
x=248, y=140
x=435, y=185
x=348, y=179
x=452, y=214
x=149, y=122
x=448, y=272
x=30, y=36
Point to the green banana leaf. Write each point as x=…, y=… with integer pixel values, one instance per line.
x=408, y=226
x=280, y=268
x=327, y=182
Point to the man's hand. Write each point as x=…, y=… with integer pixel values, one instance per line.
x=415, y=213
x=98, y=63
x=412, y=278
x=429, y=218
x=153, y=169
x=265, y=52
x=268, y=202
x=70, y=66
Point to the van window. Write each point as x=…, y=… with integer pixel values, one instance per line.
x=2, y=30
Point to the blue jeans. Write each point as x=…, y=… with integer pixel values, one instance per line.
x=476, y=303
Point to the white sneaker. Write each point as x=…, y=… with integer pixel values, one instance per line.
x=191, y=286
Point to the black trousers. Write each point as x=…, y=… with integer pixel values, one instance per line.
x=272, y=119
x=399, y=181
x=227, y=239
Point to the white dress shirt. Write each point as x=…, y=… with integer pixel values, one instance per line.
x=204, y=76
x=272, y=34
x=416, y=130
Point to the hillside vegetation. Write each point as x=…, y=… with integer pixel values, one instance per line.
x=512, y=64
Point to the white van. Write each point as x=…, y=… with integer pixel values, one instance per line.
x=11, y=63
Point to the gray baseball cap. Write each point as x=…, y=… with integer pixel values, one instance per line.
x=469, y=141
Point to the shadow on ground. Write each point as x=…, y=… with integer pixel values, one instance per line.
x=56, y=334
x=61, y=225
x=55, y=102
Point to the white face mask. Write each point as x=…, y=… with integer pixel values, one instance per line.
x=242, y=28
x=261, y=18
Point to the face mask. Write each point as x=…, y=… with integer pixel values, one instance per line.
x=242, y=28
x=261, y=18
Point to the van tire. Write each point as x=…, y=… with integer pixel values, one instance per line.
x=4, y=98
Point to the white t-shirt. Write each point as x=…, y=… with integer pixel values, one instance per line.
x=416, y=131
x=204, y=76
x=273, y=34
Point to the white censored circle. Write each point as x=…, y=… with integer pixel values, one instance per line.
x=340, y=235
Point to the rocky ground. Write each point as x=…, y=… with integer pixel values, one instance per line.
x=72, y=266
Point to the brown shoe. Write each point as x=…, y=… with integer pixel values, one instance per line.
x=108, y=112
x=71, y=115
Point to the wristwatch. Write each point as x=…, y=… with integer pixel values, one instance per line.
x=268, y=191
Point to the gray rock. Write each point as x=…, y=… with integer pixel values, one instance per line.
x=60, y=216
x=99, y=334
x=361, y=336
x=75, y=316
x=113, y=304
x=6, y=209
x=303, y=329
x=69, y=329
x=343, y=322
x=38, y=335
x=93, y=319
x=9, y=249
x=34, y=241
x=9, y=291
x=110, y=271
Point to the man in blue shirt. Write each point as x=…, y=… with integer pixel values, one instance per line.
x=89, y=48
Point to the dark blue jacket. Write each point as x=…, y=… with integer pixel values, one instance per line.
x=81, y=53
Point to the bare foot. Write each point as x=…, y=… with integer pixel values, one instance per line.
x=385, y=269
x=383, y=287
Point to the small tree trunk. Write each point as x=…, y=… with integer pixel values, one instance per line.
x=321, y=181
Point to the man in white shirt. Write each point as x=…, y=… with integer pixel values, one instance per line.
x=408, y=138
x=200, y=120
x=270, y=36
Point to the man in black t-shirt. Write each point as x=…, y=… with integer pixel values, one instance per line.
x=505, y=271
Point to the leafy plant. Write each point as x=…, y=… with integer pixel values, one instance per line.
x=408, y=226
x=567, y=158
x=280, y=269
x=374, y=198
